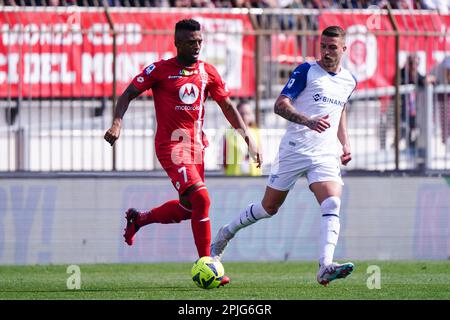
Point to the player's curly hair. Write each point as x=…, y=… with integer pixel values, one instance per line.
x=188, y=25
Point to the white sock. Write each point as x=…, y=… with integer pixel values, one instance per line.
x=247, y=217
x=329, y=229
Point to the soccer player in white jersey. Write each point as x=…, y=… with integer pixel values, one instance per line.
x=313, y=101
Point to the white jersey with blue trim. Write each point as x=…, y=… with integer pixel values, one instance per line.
x=315, y=93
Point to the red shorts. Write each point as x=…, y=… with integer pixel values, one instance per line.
x=183, y=175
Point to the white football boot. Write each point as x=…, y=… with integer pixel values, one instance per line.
x=334, y=271
x=220, y=243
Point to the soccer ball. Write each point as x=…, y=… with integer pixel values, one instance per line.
x=207, y=272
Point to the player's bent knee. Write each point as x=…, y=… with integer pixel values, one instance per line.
x=185, y=202
x=331, y=205
x=199, y=197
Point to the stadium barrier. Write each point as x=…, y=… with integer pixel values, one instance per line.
x=72, y=220
x=60, y=76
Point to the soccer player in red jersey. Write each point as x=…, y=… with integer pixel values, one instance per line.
x=180, y=87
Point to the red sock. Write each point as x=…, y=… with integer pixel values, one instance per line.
x=169, y=212
x=201, y=226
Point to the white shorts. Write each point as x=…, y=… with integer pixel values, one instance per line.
x=287, y=168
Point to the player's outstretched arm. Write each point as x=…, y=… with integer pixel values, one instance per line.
x=123, y=102
x=284, y=108
x=235, y=119
x=343, y=139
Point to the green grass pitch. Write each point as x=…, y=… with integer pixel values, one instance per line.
x=257, y=280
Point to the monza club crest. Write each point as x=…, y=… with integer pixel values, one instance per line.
x=188, y=93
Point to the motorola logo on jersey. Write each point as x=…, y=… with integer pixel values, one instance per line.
x=188, y=93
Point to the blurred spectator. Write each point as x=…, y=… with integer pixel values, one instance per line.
x=229, y=3
x=258, y=4
x=320, y=4
x=235, y=152
x=409, y=74
x=237, y=3
x=402, y=4
x=191, y=3
x=180, y=3
x=363, y=4
x=136, y=3
x=443, y=6
x=442, y=72
x=285, y=3
x=202, y=4
x=87, y=3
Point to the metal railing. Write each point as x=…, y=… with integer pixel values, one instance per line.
x=59, y=125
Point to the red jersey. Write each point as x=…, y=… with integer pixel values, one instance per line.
x=179, y=94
